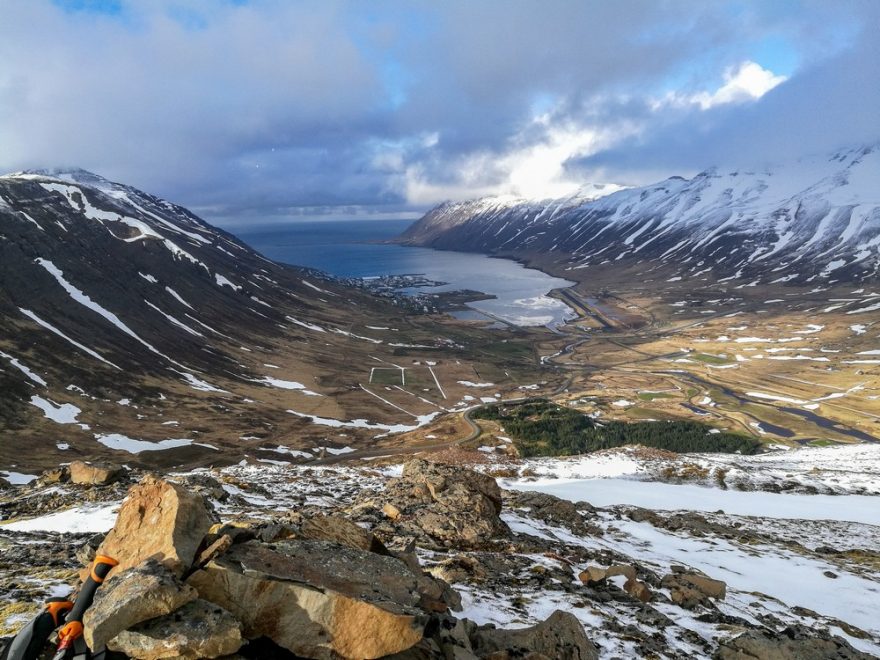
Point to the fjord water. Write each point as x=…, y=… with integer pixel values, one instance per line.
x=350, y=248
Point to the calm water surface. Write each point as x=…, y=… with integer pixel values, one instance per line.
x=343, y=248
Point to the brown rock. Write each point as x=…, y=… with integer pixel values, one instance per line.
x=692, y=589
x=238, y=531
x=343, y=531
x=391, y=511
x=560, y=637
x=216, y=549
x=637, y=589
x=593, y=575
x=317, y=599
x=621, y=569
x=706, y=585
x=459, y=569
x=55, y=476
x=132, y=596
x=441, y=480
x=197, y=630
x=161, y=520
x=96, y=474
x=687, y=597
x=445, y=506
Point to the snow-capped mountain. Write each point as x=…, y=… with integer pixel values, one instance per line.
x=816, y=219
x=117, y=307
x=126, y=279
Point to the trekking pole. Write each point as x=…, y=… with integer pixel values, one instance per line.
x=73, y=629
x=28, y=644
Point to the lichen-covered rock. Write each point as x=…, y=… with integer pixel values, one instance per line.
x=442, y=480
x=197, y=630
x=443, y=506
x=136, y=594
x=159, y=520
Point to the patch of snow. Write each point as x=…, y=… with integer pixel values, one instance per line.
x=286, y=385
x=337, y=451
x=121, y=442
x=51, y=328
x=198, y=383
x=78, y=520
x=84, y=300
x=224, y=281
x=178, y=297
x=318, y=289
x=23, y=369
x=63, y=413
x=421, y=420
x=869, y=308
x=17, y=478
x=308, y=326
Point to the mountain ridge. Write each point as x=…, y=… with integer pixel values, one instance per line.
x=817, y=219
x=130, y=326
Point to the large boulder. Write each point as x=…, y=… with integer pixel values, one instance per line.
x=444, y=506
x=197, y=630
x=132, y=596
x=160, y=520
x=93, y=474
x=452, y=485
x=318, y=599
x=560, y=637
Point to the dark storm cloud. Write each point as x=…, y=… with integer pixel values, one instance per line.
x=271, y=108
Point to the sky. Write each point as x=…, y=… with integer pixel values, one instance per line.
x=257, y=110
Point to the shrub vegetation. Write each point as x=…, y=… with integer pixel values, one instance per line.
x=540, y=428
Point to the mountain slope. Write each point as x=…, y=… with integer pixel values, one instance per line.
x=816, y=219
x=131, y=329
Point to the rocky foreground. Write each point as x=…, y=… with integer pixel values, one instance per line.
x=412, y=563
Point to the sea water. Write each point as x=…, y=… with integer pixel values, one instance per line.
x=352, y=248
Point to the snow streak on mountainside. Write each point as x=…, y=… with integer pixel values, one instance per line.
x=817, y=219
x=103, y=285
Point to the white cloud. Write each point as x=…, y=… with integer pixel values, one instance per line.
x=747, y=82
x=533, y=164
